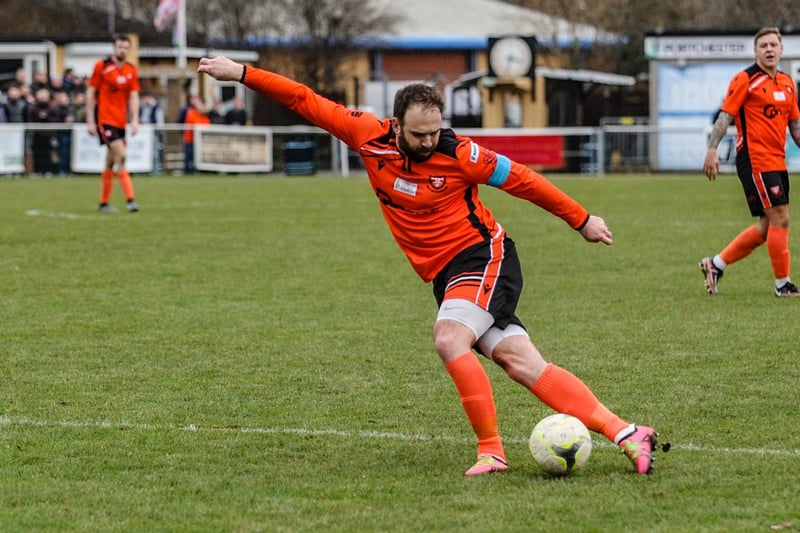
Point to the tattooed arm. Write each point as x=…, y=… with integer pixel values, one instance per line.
x=794, y=131
x=711, y=163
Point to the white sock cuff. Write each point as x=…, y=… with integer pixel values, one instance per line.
x=627, y=432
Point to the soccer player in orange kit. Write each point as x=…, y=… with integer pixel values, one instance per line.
x=112, y=96
x=426, y=179
x=763, y=102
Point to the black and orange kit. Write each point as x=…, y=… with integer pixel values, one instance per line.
x=450, y=238
x=435, y=214
x=762, y=107
x=113, y=84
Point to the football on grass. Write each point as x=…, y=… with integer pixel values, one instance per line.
x=560, y=444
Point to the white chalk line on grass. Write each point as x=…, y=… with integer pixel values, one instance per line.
x=53, y=214
x=367, y=434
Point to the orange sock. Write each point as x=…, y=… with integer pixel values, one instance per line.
x=742, y=245
x=106, y=185
x=126, y=183
x=565, y=393
x=475, y=390
x=778, y=248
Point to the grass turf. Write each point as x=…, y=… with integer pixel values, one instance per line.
x=254, y=354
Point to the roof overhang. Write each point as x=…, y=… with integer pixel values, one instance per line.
x=580, y=75
x=587, y=76
x=153, y=52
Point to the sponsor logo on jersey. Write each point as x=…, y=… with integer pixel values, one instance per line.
x=405, y=187
x=770, y=111
x=474, y=151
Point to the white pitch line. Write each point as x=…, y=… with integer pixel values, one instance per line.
x=368, y=434
x=52, y=214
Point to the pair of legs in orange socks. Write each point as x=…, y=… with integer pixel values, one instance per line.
x=557, y=388
x=107, y=185
x=776, y=236
x=493, y=329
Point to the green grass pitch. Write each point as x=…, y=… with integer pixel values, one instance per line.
x=254, y=354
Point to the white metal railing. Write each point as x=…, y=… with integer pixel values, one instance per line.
x=587, y=150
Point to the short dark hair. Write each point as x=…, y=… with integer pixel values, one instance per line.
x=767, y=31
x=416, y=93
x=120, y=37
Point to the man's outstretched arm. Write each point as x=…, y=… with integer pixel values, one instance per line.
x=221, y=68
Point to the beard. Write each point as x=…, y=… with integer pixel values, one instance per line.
x=417, y=155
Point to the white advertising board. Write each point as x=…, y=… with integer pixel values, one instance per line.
x=88, y=156
x=12, y=150
x=233, y=149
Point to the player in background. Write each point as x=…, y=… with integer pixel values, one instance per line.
x=426, y=179
x=762, y=101
x=112, y=98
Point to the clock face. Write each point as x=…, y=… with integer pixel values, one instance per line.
x=511, y=57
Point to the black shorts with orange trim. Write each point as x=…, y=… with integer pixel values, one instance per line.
x=109, y=134
x=486, y=274
x=762, y=189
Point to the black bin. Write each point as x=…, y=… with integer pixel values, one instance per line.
x=299, y=157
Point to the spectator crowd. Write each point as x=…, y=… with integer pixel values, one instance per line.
x=46, y=99
x=62, y=100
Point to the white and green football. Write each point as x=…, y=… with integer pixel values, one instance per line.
x=560, y=444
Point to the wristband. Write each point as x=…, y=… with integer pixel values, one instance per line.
x=579, y=228
x=244, y=73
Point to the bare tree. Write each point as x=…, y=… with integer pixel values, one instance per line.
x=322, y=34
x=326, y=33
x=631, y=19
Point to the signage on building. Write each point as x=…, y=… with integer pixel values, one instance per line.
x=693, y=47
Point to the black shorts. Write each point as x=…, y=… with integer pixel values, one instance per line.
x=109, y=134
x=763, y=189
x=490, y=279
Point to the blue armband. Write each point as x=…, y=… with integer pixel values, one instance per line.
x=501, y=171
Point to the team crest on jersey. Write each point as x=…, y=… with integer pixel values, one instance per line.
x=437, y=183
x=775, y=191
x=405, y=187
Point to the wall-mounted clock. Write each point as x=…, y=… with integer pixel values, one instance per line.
x=511, y=57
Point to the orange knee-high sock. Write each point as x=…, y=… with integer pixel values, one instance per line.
x=778, y=248
x=106, y=185
x=565, y=393
x=475, y=390
x=126, y=183
x=742, y=245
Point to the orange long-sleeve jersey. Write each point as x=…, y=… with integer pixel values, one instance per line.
x=432, y=208
x=762, y=107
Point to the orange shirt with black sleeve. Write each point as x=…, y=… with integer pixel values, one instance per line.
x=113, y=87
x=432, y=208
x=762, y=107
